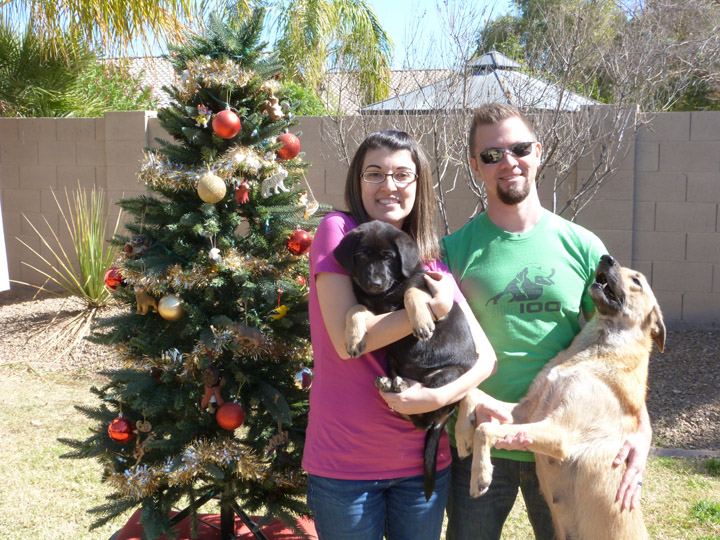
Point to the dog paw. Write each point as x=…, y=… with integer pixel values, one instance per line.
x=424, y=331
x=464, y=446
x=384, y=384
x=399, y=385
x=477, y=490
x=355, y=348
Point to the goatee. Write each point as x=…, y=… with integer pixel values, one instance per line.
x=515, y=194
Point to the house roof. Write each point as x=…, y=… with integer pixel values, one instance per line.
x=340, y=91
x=490, y=78
x=155, y=72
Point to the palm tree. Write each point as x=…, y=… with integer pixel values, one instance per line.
x=110, y=26
x=313, y=36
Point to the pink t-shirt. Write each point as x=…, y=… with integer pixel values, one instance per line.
x=352, y=434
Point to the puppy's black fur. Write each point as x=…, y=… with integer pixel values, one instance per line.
x=384, y=262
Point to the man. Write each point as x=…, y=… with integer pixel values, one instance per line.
x=525, y=273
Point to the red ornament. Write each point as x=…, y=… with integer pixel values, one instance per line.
x=121, y=430
x=299, y=242
x=242, y=194
x=226, y=124
x=113, y=278
x=230, y=416
x=291, y=146
x=301, y=280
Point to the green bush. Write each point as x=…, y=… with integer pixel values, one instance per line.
x=62, y=77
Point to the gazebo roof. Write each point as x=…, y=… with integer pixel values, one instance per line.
x=489, y=78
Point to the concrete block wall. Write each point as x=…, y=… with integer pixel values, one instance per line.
x=676, y=237
x=42, y=156
x=658, y=213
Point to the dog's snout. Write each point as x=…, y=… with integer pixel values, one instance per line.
x=609, y=260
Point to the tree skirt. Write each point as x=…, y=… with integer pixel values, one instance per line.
x=209, y=529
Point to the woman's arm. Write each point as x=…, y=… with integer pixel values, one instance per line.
x=419, y=399
x=336, y=297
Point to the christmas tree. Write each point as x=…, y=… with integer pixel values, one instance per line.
x=212, y=401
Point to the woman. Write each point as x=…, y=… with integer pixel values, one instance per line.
x=365, y=462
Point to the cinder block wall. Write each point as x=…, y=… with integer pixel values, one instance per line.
x=658, y=213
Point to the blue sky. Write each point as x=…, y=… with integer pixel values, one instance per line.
x=400, y=18
x=417, y=25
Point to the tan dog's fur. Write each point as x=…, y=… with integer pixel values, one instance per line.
x=578, y=412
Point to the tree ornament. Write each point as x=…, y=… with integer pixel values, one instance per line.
x=144, y=301
x=226, y=124
x=203, y=116
x=242, y=192
x=214, y=256
x=230, y=416
x=170, y=307
x=291, y=146
x=301, y=280
x=121, y=430
x=274, y=183
x=247, y=336
x=272, y=107
x=298, y=243
x=213, y=383
x=143, y=426
x=211, y=188
x=113, y=278
x=137, y=246
x=278, y=313
x=304, y=378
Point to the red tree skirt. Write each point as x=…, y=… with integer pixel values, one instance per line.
x=274, y=530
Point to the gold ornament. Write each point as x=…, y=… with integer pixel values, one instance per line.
x=170, y=308
x=211, y=188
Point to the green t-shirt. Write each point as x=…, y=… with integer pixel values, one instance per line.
x=527, y=291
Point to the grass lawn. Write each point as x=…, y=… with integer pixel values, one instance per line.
x=43, y=497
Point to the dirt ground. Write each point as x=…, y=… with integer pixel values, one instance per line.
x=683, y=387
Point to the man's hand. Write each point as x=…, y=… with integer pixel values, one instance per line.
x=634, y=453
x=494, y=410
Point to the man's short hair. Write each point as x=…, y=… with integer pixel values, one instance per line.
x=494, y=113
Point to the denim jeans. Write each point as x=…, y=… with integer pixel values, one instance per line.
x=369, y=509
x=483, y=518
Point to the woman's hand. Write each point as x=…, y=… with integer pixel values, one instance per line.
x=441, y=288
x=417, y=399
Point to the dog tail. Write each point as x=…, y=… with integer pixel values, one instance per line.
x=432, y=442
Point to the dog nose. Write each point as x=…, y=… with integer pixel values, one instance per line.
x=608, y=259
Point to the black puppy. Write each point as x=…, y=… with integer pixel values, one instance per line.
x=387, y=275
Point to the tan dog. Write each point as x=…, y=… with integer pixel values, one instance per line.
x=579, y=411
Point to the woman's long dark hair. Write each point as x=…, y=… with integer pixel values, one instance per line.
x=421, y=222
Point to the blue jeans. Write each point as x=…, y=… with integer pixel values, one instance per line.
x=369, y=509
x=483, y=518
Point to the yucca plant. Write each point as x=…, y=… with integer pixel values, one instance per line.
x=79, y=274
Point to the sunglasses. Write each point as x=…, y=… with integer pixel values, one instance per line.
x=495, y=155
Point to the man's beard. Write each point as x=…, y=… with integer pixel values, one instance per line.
x=515, y=194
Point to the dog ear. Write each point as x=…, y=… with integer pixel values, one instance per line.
x=657, y=329
x=345, y=251
x=409, y=254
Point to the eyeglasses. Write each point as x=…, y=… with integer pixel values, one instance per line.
x=495, y=155
x=401, y=178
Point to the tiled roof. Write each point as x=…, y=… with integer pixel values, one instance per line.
x=156, y=73
x=490, y=78
x=340, y=92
